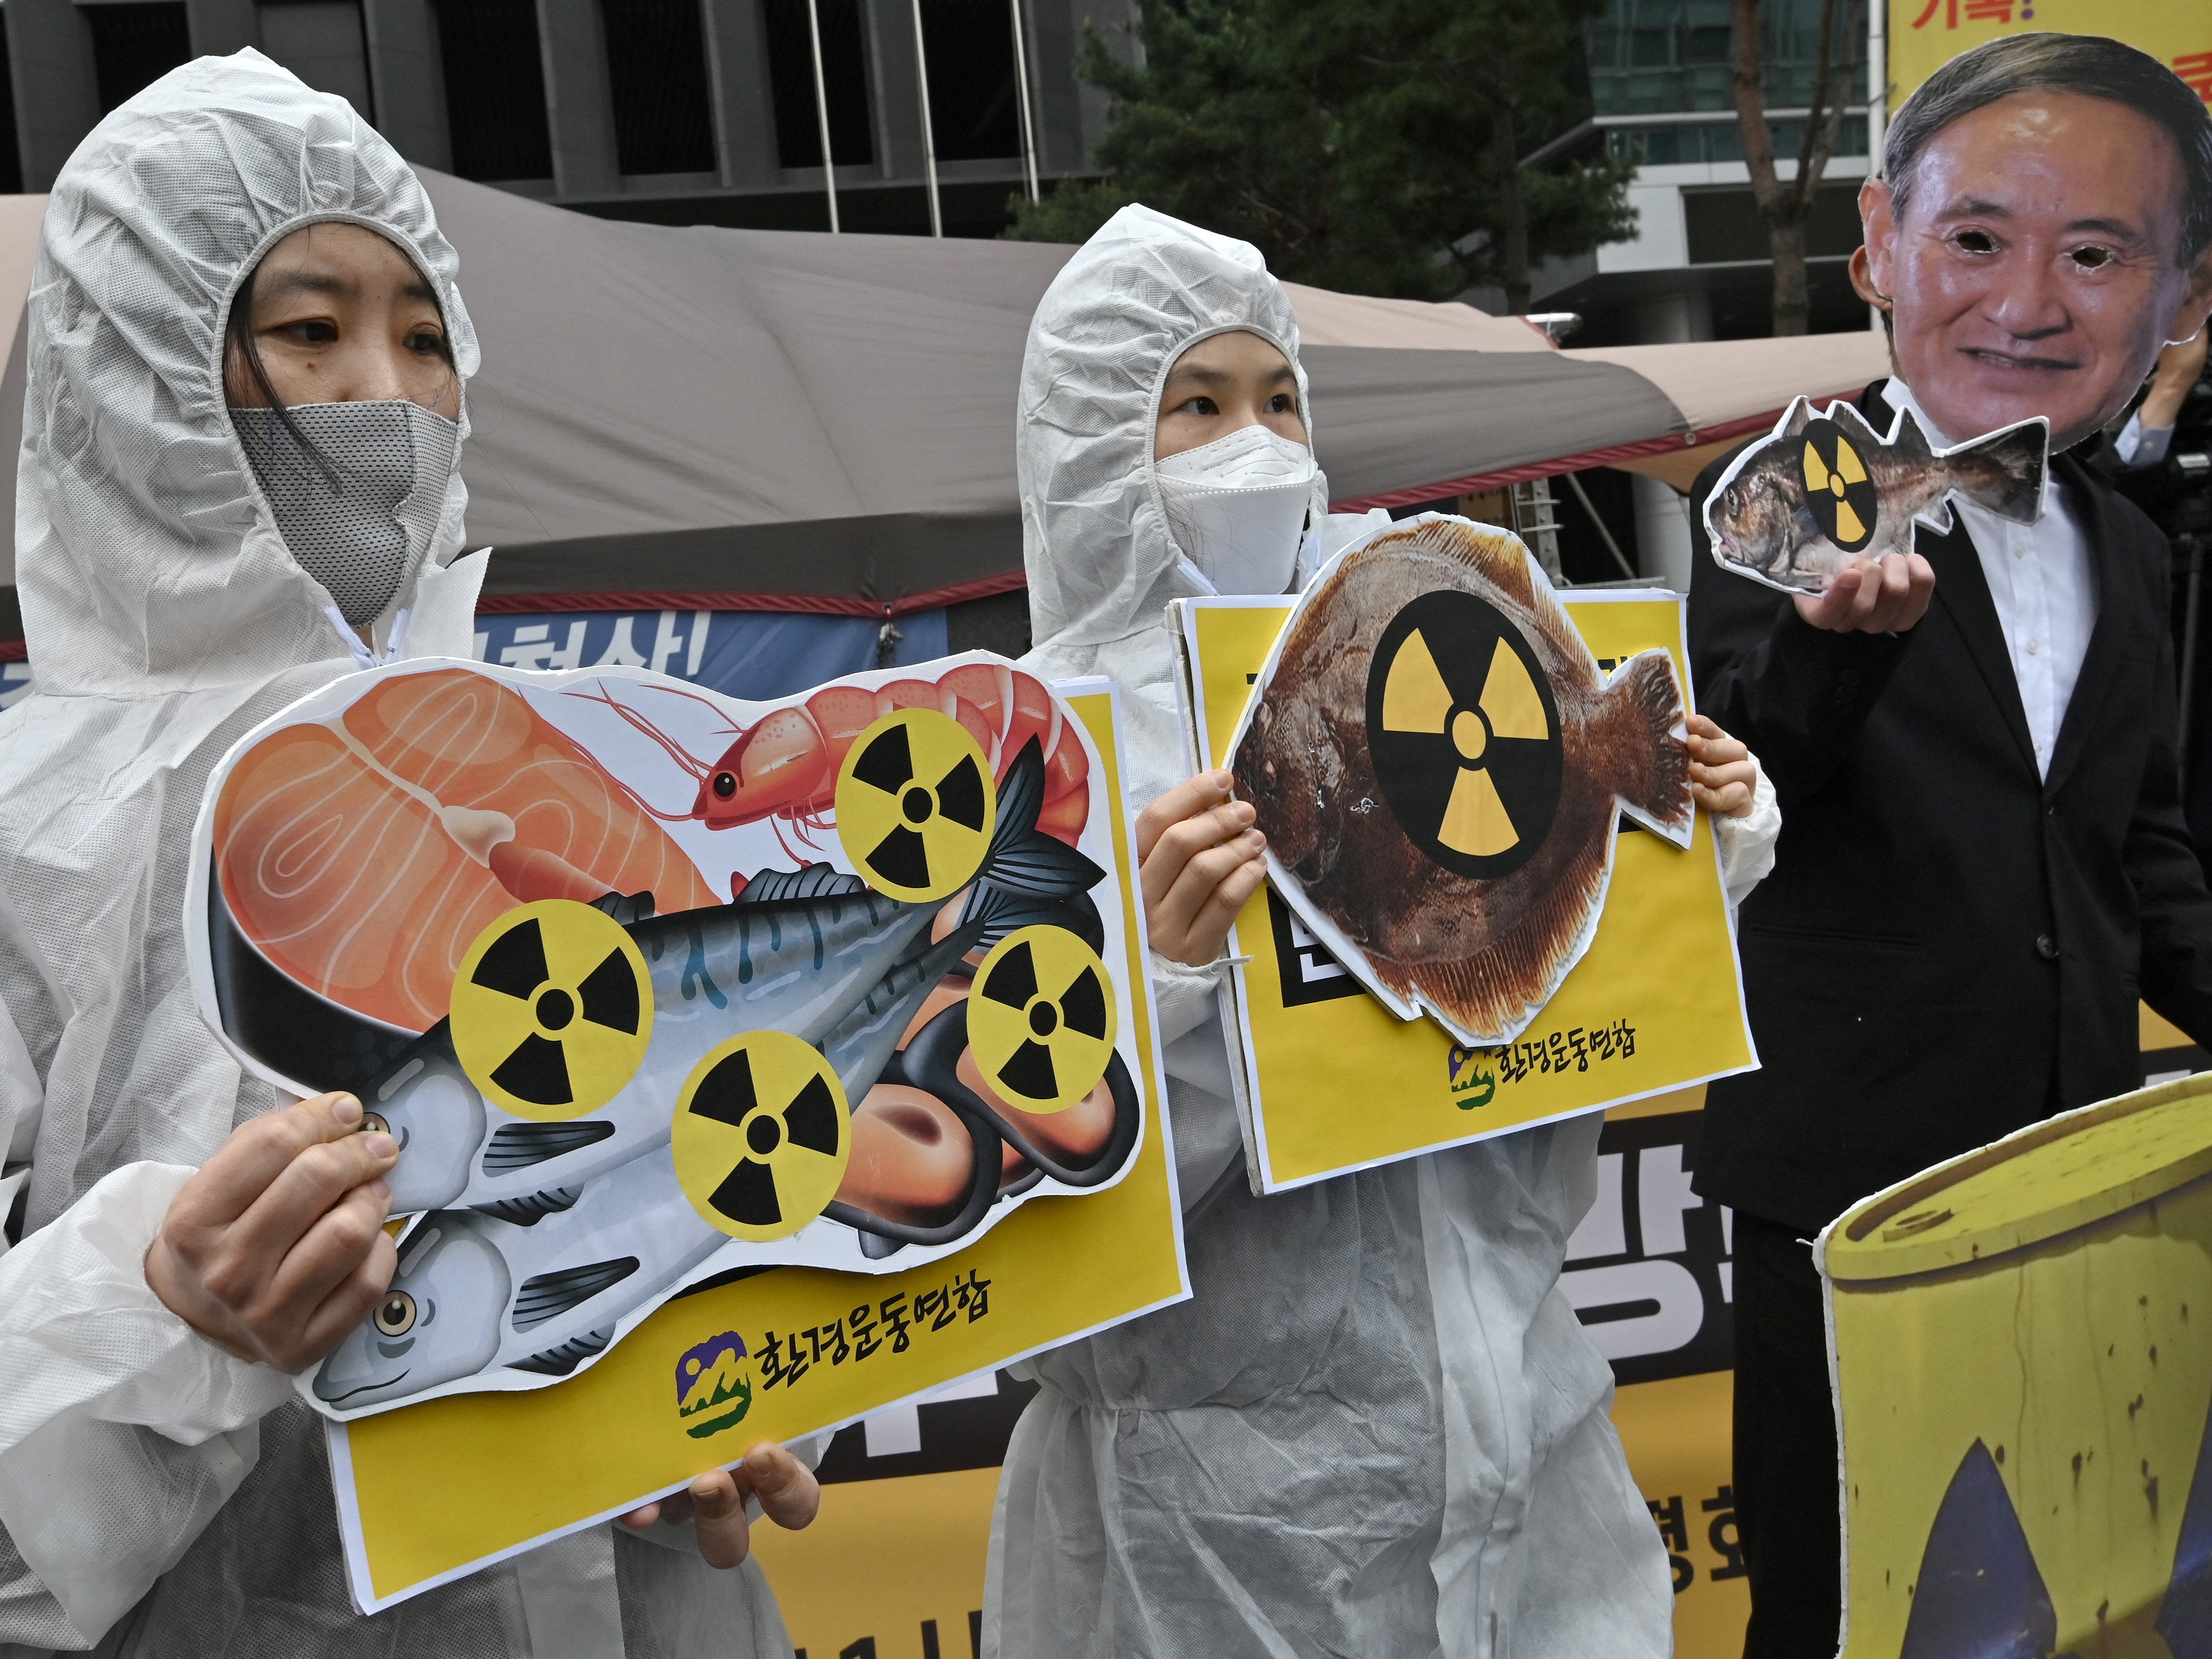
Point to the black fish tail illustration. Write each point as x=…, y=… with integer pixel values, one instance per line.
x=1023, y=859
x=2003, y=471
x=1635, y=724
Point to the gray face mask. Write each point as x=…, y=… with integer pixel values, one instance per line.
x=359, y=507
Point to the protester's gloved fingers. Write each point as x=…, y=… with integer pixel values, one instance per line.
x=788, y=1492
x=1191, y=796
x=331, y=1251
x=341, y=1311
x=306, y=1187
x=255, y=1154
x=718, y=1511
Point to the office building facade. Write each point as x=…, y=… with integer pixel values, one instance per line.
x=682, y=112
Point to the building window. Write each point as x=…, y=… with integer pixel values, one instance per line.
x=1647, y=56
x=844, y=74
x=657, y=74
x=1721, y=142
x=495, y=89
x=1725, y=227
x=134, y=45
x=321, y=42
x=972, y=111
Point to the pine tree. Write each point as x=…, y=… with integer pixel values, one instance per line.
x=1371, y=146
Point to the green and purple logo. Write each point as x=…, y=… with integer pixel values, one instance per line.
x=713, y=1385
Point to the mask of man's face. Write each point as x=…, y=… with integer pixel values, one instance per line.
x=2035, y=270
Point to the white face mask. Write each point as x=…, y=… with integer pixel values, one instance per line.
x=1237, y=507
x=359, y=509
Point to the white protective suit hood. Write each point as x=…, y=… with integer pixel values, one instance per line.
x=1099, y=543
x=145, y=1474
x=146, y=554
x=1377, y=1426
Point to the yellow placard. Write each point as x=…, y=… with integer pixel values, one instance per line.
x=1338, y=1082
x=433, y=1490
x=1925, y=34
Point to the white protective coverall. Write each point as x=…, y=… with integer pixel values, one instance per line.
x=158, y=1497
x=1377, y=1428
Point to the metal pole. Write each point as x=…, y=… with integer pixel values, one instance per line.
x=821, y=110
x=928, y=135
x=1877, y=115
x=1021, y=100
x=1611, y=545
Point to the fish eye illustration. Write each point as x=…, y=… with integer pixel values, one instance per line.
x=395, y=1313
x=371, y=1123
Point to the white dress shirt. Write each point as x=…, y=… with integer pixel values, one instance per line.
x=2045, y=592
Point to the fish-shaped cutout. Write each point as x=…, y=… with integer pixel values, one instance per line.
x=1438, y=765
x=1821, y=492
x=799, y=952
x=1980, y=1594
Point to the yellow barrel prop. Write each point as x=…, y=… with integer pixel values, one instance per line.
x=2022, y=1349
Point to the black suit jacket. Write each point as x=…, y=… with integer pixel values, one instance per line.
x=1950, y=946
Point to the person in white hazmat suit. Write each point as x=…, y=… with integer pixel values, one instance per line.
x=1377, y=1428
x=220, y=507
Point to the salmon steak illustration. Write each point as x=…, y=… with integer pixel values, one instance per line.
x=1820, y=492
x=1439, y=764
x=361, y=852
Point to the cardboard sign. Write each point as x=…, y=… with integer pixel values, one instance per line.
x=1334, y=1081
x=983, y=996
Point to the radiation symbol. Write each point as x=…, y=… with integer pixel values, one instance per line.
x=552, y=1010
x=762, y=1134
x=1837, y=491
x=1041, y=1021
x=915, y=807
x=1464, y=734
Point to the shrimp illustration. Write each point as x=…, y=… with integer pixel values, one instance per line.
x=783, y=768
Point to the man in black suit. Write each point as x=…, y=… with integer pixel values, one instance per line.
x=1983, y=861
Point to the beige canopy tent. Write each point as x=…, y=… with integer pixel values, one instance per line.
x=794, y=421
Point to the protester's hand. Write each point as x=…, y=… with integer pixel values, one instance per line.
x=1884, y=596
x=716, y=1501
x=276, y=1249
x=2178, y=367
x=1722, y=776
x=1199, y=858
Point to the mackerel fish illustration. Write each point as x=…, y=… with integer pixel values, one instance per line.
x=545, y=1292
